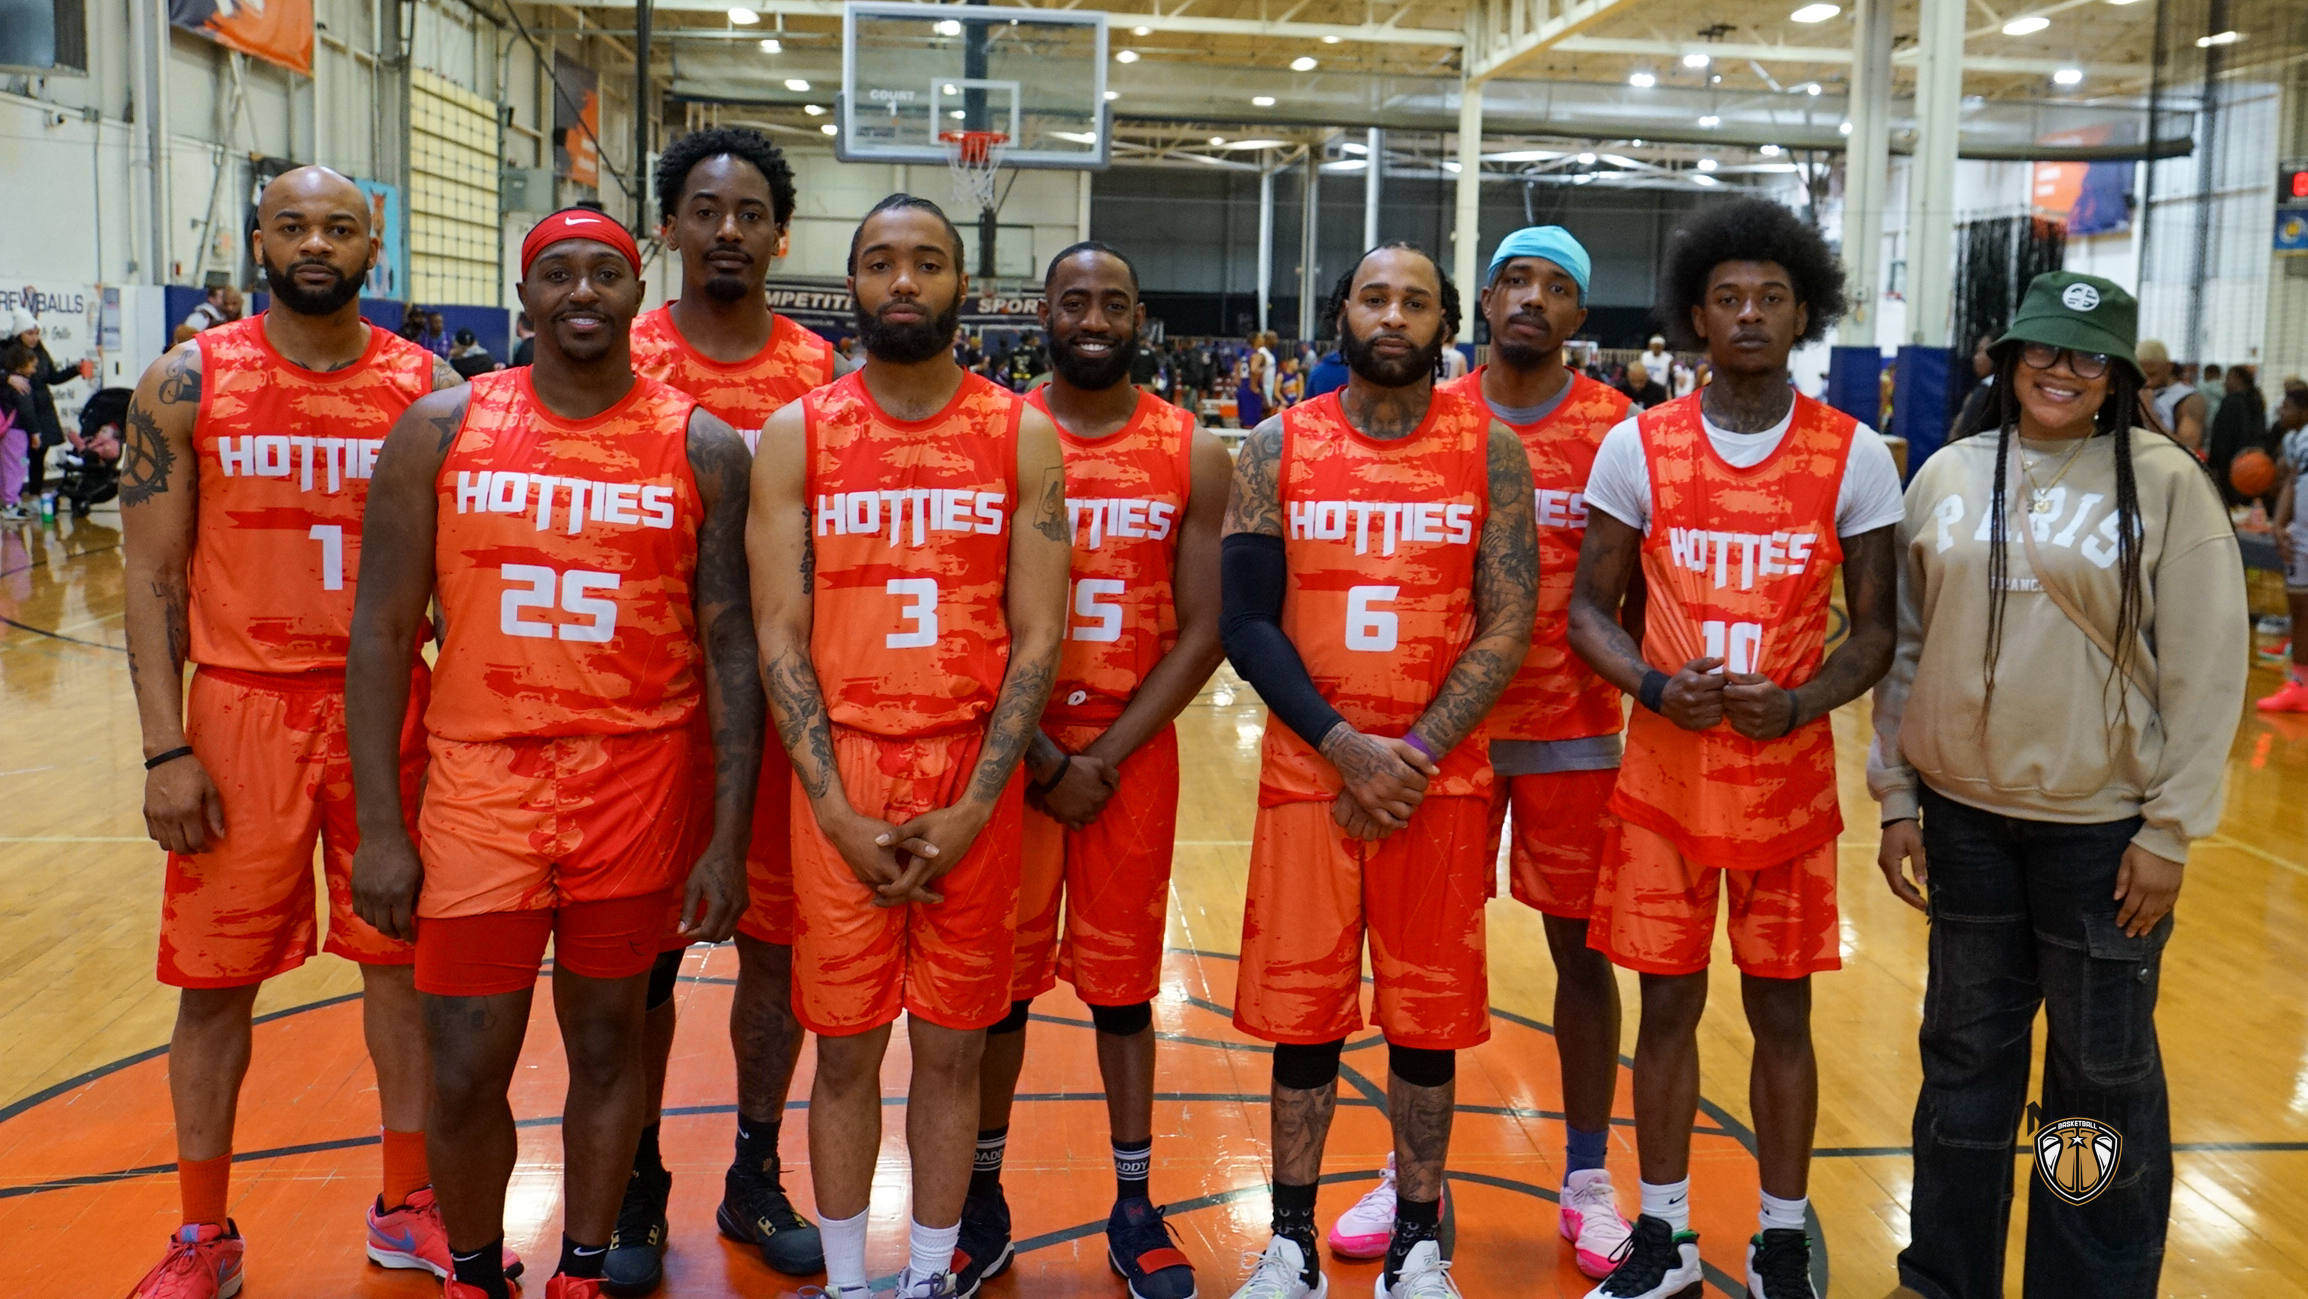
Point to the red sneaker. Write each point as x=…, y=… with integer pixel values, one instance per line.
x=2292, y=697
x=571, y=1287
x=203, y=1262
x=413, y=1236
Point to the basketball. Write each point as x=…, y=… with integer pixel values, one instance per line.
x=2252, y=473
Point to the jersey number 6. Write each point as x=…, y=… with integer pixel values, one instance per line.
x=537, y=592
x=1369, y=629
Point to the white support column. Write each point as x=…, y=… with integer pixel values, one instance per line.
x=1082, y=205
x=1372, y=179
x=1265, y=240
x=1931, y=187
x=1866, y=168
x=149, y=19
x=1309, y=240
x=1467, y=229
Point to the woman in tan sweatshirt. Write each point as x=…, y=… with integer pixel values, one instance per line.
x=2051, y=737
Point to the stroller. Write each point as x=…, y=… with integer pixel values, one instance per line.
x=90, y=457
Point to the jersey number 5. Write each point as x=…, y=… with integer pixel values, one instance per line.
x=537, y=589
x=1105, y=619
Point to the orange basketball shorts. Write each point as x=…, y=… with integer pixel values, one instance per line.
x=1560, y=827
x=274, y=744
x=768, y=861
x=1115, y=878
x=856, y=965
x=498, y=952
x=1655, y=910
x=537, y=824
x=1418, y=893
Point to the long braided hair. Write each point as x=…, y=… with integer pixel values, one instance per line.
x=2114, y=419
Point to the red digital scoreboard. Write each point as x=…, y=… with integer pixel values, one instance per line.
x=2292, y=185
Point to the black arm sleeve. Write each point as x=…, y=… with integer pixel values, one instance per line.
x=1252, y=577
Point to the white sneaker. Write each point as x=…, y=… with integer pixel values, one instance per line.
x=1590, y=1220
x=936, y=1285
x=1425, y=1274
x=1280, y=1273
x=1364, y=1230
x=1659, y=1263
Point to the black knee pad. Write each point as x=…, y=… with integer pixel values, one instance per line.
x=1123, y=1021
x=662, y=977
x=1421, y=1068
x=1015, y=1021
x=1307, y=1068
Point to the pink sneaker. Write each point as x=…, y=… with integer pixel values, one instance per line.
x=570, y=1287
x=1590, y=1221
x=1364, y=1229
x=2292, y=697
x=413, y=1236
x=203, y=1262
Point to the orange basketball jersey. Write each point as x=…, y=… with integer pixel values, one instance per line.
x=745, y=393
x=1380, y=539
x=1125, y=501
x=285, y=455
x=1556, y=696
x=1740, y=564
x=910, y=524
x=564, y=553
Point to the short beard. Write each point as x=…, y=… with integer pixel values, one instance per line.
x=725, y=288
x=907, y=344
x=1518, y=356
x=1388, y=374
x=300, y=301
x=1093, y=375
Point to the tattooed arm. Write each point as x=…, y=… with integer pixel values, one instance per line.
x=159, y=512
x=1610, y=571
x=733, y=708
x=1506, y=601
x=445, y=375
x=389, y=606
x=1041, y=555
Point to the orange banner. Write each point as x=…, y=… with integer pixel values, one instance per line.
x=278, y=31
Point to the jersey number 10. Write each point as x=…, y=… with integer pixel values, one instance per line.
x=1736, y=643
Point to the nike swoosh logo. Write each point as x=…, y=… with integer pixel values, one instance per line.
x=407, y=1244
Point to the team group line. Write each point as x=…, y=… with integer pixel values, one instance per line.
x=873, y=671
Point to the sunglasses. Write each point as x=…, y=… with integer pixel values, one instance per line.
x=2085, y=365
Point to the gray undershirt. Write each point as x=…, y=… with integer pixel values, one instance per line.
x=1528, y=415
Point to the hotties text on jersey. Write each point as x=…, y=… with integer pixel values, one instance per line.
x=1381, y=525
x=1741, y=556
x=582, y=501
x=912, y=513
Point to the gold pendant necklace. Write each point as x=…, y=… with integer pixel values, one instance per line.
x=2040, y=498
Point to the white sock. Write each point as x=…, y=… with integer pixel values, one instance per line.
x=931, y=1249
x=845, y=1243
x=1669, y=1202
x=1784, y=1215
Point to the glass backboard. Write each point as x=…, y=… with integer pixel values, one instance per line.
x=914, y=74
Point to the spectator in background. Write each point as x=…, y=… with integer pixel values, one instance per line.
x=2241, y=423
x=525, y=340
x=436, y=336
x=1976, y=407
x=1641, y=388
x=2291, y=536
x=2174, y=407
x=223, y=303
x=1657, y=361
x=46, y=430
x=1249, y=389
x=468, y=358
x=1145, y=363
x=1329, y=374
x=2212, y=387
x=413, y=324
x=1290, y=388
x=1454, y=362
x=16, y=434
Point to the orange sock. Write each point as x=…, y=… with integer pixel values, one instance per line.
x=406, y=1171
x=204, y=1184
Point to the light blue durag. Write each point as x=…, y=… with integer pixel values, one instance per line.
x=1551, y=242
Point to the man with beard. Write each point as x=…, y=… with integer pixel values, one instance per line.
x=1145, y=490
x=1554, y=736
x=246, y=470
x=1737, y=503
x=1381, y=579
x=582, y=529
x=726, y=197
x=909, y=556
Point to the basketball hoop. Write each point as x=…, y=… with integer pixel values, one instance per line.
x=975, y=157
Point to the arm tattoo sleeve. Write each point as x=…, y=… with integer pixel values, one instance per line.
x=180, y=382
x=1050, y=513
x=146, y=459
x=1255, y=503
x=802, y=725
x=725, y=620
x=1506, y=600
x=1017, y=717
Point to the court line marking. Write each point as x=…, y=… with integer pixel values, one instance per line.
x=2223, y=841
x=70, y=838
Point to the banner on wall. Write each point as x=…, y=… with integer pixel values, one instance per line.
x=69, y=316
x=277, y=31
x=825, y=306
x=2093, y=198
x=576, y=121
x=388, y=278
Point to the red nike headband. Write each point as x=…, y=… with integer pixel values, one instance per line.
x=578, y=223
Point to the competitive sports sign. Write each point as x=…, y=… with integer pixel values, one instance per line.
x=824, y=305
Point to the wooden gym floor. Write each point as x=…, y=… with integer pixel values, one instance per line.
x=87, y=1189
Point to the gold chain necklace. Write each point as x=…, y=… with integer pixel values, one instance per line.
x=2040, y=498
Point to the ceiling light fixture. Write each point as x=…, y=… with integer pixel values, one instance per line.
x=1710, y=120
x=1844, y=129
x=769, y=45
x=744, y=17
x=1113, y=95
x=2027, y=26
x=1217, y=141
x=1586, y=160
x=2068, y=77
x=1642, y=80
x=830, y=129
x=1332, y=40
x=1769, y=151
x=1262, y=101
x=1126, y=56
x=814, y=110
x=948, y=27
x=1706, y=164
x=2220, y=38
x=796, y=84
x=1357, y=150
x=1813, y=89
x=1706, y=180
x=1141, y=31
x=1815, y=13
x=1304, y=63
x=1696, y=60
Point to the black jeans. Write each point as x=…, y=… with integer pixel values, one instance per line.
x=2022, y=915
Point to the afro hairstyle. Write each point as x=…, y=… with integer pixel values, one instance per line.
x=743, y=143
x=892, y=204
x=1334, y=305
x=1746, y=230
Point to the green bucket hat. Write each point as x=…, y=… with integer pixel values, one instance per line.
x=2082, y=312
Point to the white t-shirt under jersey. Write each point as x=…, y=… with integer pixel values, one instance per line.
x=1870, y=497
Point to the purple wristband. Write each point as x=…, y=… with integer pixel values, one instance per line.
x=1411, y=738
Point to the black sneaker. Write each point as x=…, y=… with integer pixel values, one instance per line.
x=635, y=1264
x=984, y=1250
x=754, y=1210
x=1779, y=1265
x=1142, y=1251
x=1657, y=1262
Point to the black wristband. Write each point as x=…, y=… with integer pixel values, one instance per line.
x=1043, y=787
x=1794, y=712
x=181, y=751
x=1653, y=691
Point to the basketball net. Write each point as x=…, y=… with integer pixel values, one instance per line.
x=975, y=157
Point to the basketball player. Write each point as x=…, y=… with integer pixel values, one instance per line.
x=909, y=560
x=1554, y=736
x=1145, y=491
x=2179, y=409
x=1737, y=503
x=247, y=463
x=726, y=198
x=582, y=528
x=1381, y=584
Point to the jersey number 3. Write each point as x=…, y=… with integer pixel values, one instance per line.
x=921, y=609
x=535, y=587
